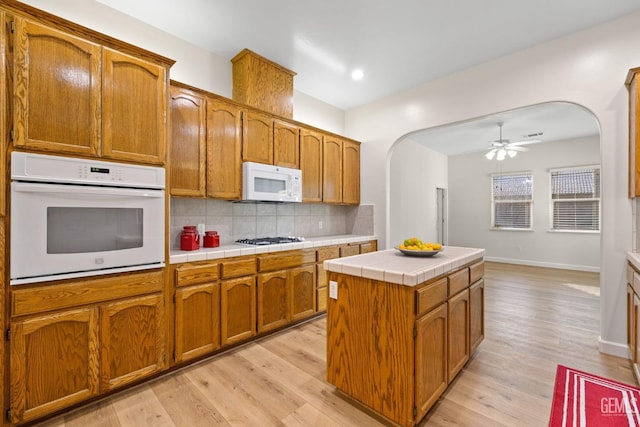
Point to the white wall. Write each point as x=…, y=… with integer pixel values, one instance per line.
x=415, y=173
x=193, y=66
x=587, y=68
x=470, y=207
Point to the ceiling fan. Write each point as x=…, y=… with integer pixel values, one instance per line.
x=501, y=148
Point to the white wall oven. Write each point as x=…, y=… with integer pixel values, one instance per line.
x=75, y=217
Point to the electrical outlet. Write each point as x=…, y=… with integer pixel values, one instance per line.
x=320, y=225
x=200, y=228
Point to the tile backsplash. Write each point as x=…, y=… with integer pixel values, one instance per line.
x=235, y=221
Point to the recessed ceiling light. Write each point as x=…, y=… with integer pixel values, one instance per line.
x=357, y=74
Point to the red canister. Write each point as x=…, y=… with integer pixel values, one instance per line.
x=189, y=238
x=211, y=239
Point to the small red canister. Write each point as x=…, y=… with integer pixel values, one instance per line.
x=189, y=238
x=211, y=239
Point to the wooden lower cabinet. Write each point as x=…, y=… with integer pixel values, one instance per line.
x=458, y=333
x=132, y=340
x=54, y=362
x=632, y=319
x=238, y=309
x=273, y=300
x=197, y=321
x=303, y=291
x=431, y=358
x=476, y=315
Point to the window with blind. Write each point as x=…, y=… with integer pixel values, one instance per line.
x=575, y=199
x=512, y=201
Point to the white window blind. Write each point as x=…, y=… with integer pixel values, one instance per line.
x=512, y=200
x=575, y=199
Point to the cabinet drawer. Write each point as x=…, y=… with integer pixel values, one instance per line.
x=238, y=267
x=348, y=250
x=630, y=271
x=431, y=296
x=286, y=260
x=330, y=252
x=366, y=247
x=458, y=281
x=476, y=271
x=196, y=274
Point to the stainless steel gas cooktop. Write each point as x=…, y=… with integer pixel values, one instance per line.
x=269, y=240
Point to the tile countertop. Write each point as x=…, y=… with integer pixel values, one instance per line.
x=634, y=259
x=177, y=256
x=394, y=267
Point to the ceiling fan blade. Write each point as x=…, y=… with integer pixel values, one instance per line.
x=526, y=142
x=516, y=148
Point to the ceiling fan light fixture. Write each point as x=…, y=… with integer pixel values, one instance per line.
x=490, y=155
x=512, y=153
x=501, y=154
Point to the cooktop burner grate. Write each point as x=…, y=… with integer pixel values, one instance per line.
x=269, y=240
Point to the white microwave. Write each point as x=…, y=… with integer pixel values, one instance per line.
x=268, y=183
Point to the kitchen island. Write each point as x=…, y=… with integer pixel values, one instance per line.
x=400, y=328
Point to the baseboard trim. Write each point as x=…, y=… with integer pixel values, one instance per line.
x=613, y=348
x=544, y=264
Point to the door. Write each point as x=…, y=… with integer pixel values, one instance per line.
x=441, y=215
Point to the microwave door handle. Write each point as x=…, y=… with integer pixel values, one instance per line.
x=68, y=189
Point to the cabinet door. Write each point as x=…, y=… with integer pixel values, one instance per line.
x=631, y=323
x=134, y=108
x=458, y=333
x=54, y=362
x=132, y=340
x=321, y=286
x=5, y=111
x=311, y=165
x=634, y=133
x=273, y=300
x=56, y=90
x=431, y=359
x=224, y=146
x=636, y=328
x=257, y=138
x=238, y=309
x=367, y=247
x=331, y=170
x=286, y=144
x=350, y=173
x=188, y=143
x=476, y=315
x=197, y=320
x=303, y=291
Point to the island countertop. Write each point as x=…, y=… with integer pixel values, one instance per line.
x=392, y=266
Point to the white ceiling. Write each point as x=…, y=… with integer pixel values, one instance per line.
x=399, y=44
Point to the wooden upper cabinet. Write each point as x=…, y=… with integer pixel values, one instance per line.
x=286, y=144
x=56, y=80
x=332, y=170
x=350, y=173
x=54, y=362
x=188, y=149
x=224, y=146
x=257, y=138
x=5, y=111
x=134, y=107
x=311, y=165
x=634, y=132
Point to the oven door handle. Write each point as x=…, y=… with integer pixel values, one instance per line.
x=81, y=189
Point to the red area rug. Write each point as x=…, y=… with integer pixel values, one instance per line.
x=581, y=399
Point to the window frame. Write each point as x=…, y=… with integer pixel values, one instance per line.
x=553, y=201
x=493, y=225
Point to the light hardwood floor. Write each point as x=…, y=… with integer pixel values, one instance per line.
x=536, y=318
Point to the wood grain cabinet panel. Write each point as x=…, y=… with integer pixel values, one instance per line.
x=634, y=132
x=224, y=150
x=257, y=137
x=636, y=328
x=476, y=315
x=6, y=58
x=458, y=333
x=286, y=144
x=632, y=320
x=132, y=340
x=188, y=144
x=431, y=359
x=197, y=320
x=431, y=296
x=350, y=173
x=238, y=309
x=134, y=108
x=311, y=165
x=303, y=291
x=57, y=91
x=332, y=170
x=54, y=362
x=273, y=300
